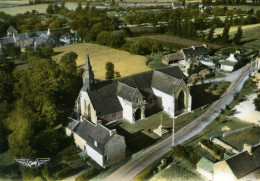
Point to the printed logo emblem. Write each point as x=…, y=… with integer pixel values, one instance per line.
x=32, y=163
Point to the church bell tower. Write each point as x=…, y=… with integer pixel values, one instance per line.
x=88, y=75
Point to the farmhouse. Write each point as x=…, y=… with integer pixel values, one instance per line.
x=133, y=97
x=104, y=146
x=229, y=63
x=37, y=39
x=242, y=166
x=186, y=55
x=177, y=4
x=11, y=30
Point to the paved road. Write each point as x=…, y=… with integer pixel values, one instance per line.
x=132, y=168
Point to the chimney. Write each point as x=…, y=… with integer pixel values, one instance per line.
x=248, y=148
x=205, y=45
x=111, y=132
x=14, y=37
x=49, y=32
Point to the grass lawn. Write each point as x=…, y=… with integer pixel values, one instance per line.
x=138, y=136
x=124, y=62
x=179, y=170
x=251, y=37
x=154, y=61
x=250, y=137
x=207, y=93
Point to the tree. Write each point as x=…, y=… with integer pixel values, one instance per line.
x=110, y=70
x=238, y=36
x=211, y=33
x=3, y=138
x=225, y=34
x=50, y=9
x=68, y=63
x=258, y=15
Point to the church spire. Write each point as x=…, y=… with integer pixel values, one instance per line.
x=88, y=75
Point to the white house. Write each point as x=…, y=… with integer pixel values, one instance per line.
x=133, y=97
x=104, y=146
x=243, y=166
x=205, y=168
x=229, y=63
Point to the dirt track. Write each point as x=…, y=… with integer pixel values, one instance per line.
x=178, y=40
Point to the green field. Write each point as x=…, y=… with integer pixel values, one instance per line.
x=251, y=37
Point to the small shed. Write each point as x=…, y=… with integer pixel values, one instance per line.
x=205, y=168
x=229, y=63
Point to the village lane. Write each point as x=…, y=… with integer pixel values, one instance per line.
x=135, y=166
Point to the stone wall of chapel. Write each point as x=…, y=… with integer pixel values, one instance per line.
x=114, y=150
x=84, y=103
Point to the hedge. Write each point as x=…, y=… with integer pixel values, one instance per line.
x=87, y=175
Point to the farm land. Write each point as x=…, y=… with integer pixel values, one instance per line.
x=125, y=63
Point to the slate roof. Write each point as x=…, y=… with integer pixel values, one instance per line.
x=230, y=63
x=22, y=37
x=7, y=40
x=91, y=133
x=125, y=91
x=165, y=83
x=173, y=71
x=104, y=95
x=104, y=99
x=173, y=57
x=243, y=163
x=194, y=52
x=12, y=29
x=59, y=32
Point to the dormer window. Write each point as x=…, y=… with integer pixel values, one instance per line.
x=95, y=143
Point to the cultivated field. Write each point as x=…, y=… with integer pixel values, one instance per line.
x=178, y=40
x=243, y=7
x=15, y=7
x=124, y=62
x=233, y=29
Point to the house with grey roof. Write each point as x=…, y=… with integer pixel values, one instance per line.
x=205, y=168
x=104, y=146
x=242, y=166
x=11, y=30
x=229, y=63
x=195, y=53
x=132, y=97
x=188, y=55
x=36, y=39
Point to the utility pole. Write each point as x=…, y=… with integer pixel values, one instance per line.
x=173, y=122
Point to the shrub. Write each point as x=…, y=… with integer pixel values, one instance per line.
x=71, y=157
x=213, y=147
x=64, y=173
x=185, y=152
x=87, y=175
x=257, y=103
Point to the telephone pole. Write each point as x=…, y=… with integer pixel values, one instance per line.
x=173, y=122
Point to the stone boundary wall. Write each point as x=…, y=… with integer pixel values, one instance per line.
x=204, y=147
x=224, y=145
x=231, y=133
